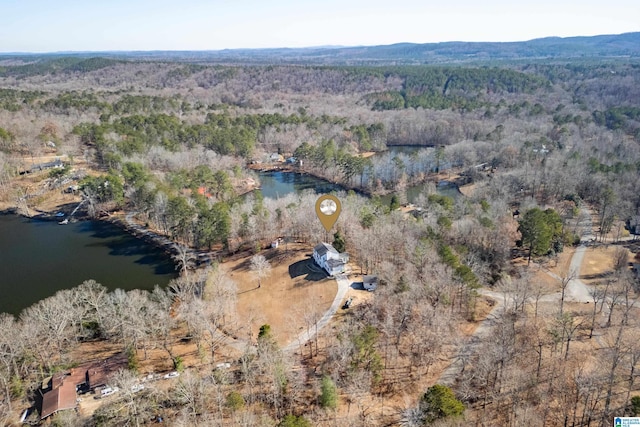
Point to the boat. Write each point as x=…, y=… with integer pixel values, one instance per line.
x=64, y=221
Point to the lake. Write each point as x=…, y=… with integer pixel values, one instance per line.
x=274, y=184
x=38, y=258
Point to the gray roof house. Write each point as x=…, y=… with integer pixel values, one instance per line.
x=327, y=257
x=370, y=283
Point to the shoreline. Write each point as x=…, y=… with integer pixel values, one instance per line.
x=456, y=179
x=124, y=219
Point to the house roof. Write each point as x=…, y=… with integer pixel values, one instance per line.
x=335, y=263
x=58, y=399
x=99, y=374
x=369, y=279
x=63, y=384
x=323, y=248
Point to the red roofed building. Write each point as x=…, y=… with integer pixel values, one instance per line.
x=61, y=396
x=203, y=192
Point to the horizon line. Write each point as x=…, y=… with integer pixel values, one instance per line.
x=116, y=51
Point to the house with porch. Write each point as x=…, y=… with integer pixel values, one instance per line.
x=327, y=257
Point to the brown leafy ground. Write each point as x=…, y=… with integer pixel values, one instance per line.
x=598, y=264
x=282, y=300
x=284, y=303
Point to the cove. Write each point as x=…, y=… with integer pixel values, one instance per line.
x=38, y=258
x=275, y=184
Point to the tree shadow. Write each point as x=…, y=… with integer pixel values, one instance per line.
x=120, y=243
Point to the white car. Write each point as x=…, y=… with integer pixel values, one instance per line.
x=223, y=365
x=108, y=391
x=137, y=387
x=173, y=374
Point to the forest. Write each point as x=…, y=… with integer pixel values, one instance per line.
x=546, y=154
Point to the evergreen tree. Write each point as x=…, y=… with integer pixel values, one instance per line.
x=440, y=402
x=328, y=393
x=338, y=242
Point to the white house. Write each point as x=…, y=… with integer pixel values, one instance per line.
x=275, y=157
x=327, y=257
x=370, y=283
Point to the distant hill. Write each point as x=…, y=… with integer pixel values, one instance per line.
x=602, y=46
x=605, y=46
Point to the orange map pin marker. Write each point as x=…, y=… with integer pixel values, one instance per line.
x=328, y=210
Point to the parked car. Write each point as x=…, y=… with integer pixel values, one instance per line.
x=137, y=387
x=173, y=374
x=108, y=391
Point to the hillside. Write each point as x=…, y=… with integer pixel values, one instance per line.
x=593, y=47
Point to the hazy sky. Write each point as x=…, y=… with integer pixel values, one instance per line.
x=62, y=25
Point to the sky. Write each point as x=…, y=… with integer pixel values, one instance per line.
x=107, y=25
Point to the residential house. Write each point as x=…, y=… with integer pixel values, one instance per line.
x=203, y=192
x=62, y=387
x=327, y=257
x=62, y=395
x=56, y=164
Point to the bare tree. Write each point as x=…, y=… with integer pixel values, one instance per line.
x=596, y=296
x=184, y=257
x=564, y=284
x=261, y=267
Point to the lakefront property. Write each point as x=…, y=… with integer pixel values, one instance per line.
x=327, y=257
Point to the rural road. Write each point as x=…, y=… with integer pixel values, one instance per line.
x=343, y=287
x=455, y=369
x=576, y=291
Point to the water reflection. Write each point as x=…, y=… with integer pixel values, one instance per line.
x=38, y=258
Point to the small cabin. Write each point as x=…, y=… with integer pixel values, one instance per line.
x=370, y=283
x=276, y=158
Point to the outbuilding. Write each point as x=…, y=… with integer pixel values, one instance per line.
x=370, y=283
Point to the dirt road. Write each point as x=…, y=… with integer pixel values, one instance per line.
x=576, y=291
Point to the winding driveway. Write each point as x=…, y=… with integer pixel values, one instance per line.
x=343, y=287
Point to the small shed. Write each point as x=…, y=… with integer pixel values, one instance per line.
x=370, y=283
x=276, y=158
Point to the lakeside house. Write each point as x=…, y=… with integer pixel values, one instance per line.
x=56, y=164
x=276, y=158
x=327, y=257
x=62, y=387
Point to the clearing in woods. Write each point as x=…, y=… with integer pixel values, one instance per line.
x=294, y=293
